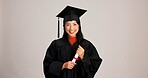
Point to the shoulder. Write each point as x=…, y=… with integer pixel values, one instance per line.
x=88, y=46
x=86, y=43
x=59, y=41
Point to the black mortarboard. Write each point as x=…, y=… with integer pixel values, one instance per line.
x=70, y=13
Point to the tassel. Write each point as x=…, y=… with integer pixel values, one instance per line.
x=58, y=28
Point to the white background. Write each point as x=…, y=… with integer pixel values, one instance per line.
x=118, y=29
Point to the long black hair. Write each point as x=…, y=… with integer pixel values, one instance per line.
x=79, y=35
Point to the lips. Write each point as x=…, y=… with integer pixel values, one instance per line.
x=71, y=32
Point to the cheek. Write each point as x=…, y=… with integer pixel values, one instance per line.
x=66, y=28
x=77, y=28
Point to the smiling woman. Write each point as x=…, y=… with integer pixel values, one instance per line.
x=72, y=28
x=118, y=28
x=59, y=55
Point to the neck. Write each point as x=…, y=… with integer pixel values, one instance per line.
x=72, y=40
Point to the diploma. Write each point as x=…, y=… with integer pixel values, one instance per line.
x=75, y=57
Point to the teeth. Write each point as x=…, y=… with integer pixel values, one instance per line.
x=71, y=31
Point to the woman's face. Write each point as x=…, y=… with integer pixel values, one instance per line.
x=72, y=28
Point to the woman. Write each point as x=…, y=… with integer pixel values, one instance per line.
x=58, y=60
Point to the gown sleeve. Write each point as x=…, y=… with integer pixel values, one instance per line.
x=52, y=67
x=91, y=60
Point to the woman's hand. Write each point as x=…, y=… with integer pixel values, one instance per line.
x=80, y=52
x=68, y=65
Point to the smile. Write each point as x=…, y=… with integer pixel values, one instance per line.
x=71, y=32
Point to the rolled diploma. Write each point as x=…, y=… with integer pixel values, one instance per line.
x=75, y=57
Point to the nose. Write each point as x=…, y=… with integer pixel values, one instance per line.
x=71, y=27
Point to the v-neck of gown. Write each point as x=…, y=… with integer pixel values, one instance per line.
x=72, y=40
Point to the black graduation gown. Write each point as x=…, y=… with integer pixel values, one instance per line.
x=61, y=51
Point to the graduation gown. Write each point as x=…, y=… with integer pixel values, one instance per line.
x=61, y=51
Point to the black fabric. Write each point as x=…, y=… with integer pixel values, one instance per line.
x=60, y=51
x=70, y=12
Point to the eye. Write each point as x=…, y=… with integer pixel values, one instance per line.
x=74, y=24
x=67, y=24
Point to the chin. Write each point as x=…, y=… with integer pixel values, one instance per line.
x=72, y=35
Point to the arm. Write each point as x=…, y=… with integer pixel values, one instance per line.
x=52, y=67
x=91, y=60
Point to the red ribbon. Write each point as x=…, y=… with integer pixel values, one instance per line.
x=77, y=58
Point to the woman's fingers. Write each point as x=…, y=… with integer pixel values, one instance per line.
x=80, y=47
x=80, y=52
x=70, y=65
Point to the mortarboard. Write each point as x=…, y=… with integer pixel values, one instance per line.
x=70, y=13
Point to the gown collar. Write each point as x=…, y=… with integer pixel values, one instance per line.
x=72, y=40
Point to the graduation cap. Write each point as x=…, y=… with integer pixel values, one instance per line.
x=70, y=13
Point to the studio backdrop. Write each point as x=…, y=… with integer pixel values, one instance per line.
x=117, y=28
